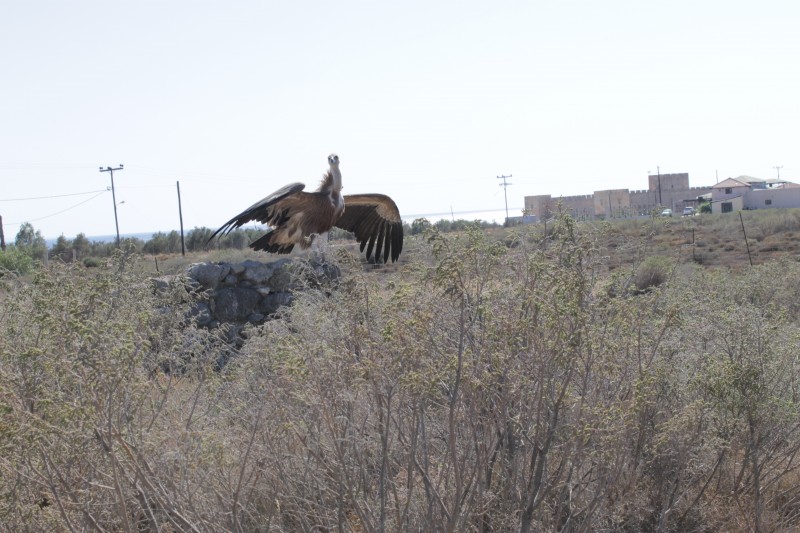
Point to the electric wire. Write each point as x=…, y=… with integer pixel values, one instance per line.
x=53, y=196
x=59, y=212
x=418, y=215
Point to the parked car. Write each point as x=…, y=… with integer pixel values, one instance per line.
x=666, y=213
x=688, y=211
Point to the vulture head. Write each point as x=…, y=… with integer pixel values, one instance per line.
x=333, y=159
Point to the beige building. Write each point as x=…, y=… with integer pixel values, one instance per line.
x=664, y=191
x=615, y=203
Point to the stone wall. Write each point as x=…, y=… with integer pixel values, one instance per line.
x=544, y=206
x=665, y=190
x=236, y=294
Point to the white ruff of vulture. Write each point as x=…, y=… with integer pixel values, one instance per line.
x=298, y=218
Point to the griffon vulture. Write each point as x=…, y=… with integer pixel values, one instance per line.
x=298, y=218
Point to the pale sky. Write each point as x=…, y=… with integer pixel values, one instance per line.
x=425, y=101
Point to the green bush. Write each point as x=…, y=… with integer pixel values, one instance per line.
x=92, y=262
x=16, y=261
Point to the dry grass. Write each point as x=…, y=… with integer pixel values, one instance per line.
x=715, y=241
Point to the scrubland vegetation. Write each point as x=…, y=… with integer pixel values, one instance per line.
x=579, y=381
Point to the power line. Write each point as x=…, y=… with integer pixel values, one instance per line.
x=48, y=197
x=59, y=212
x=147, y=187
x=443, y=213
x=35, y=166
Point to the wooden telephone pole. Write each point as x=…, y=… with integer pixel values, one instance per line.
x=113, y=195
x=505, y=185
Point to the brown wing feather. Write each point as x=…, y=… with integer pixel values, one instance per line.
x=376, y=223
x=263, y=211
x=294, y=216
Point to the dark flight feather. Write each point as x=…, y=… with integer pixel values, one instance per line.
x=297, y=217
x=375, y=221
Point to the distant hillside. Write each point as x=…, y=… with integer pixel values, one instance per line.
x=109, y=238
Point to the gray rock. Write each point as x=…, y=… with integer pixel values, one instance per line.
x=281, y=279
x=162, y=283
x=256, y=318
x=200, y=313
x=192, y=285
x=230, y=296
x=257, y=273
x=234, y=304
x=209, y=274
x=233, y=334
x=273, y=302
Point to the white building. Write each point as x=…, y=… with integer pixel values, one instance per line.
x=745, y=192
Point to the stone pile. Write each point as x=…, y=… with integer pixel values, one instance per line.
x=250, y=291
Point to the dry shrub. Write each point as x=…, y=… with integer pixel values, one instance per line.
x=485, y=388
x=98, y=431
x=652, y=272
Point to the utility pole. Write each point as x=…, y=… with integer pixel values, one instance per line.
x=658, y=172
x=113, y=195
x=779, y=171
x=180, y=214
x=750, y=257
x=2, y=235
x=505, y=185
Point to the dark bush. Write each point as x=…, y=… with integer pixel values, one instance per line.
x=653, y=272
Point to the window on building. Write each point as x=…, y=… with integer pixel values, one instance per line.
x=728, y=190
x=767, y=202
x=727, y=207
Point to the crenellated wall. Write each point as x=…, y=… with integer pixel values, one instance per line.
x=665, y=191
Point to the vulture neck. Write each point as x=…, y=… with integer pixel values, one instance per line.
x=336, y=179
x=331, y=186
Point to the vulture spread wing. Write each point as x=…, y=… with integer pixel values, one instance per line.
x=275, y=210
x=298, y=218
x=376, y=223
x=264, y=210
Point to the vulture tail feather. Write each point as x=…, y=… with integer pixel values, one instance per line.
x=264, y=243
